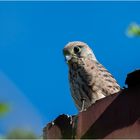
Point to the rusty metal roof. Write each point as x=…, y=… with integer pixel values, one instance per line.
x=116, y=116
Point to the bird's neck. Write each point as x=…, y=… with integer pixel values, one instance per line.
x=82, y=63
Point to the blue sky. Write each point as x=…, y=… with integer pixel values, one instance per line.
x=33, y=34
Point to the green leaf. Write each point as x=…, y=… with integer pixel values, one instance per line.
x=4, y=108
x=133, y=29
x=20, y=133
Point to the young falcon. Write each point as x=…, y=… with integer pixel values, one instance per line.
x=89, y=80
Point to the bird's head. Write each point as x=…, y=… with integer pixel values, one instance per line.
x=77, y=50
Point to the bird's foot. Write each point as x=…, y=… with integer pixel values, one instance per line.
x=83, y=105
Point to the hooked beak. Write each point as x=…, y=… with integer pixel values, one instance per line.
x=68, y=58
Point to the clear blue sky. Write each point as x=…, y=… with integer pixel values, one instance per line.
x=33, y=34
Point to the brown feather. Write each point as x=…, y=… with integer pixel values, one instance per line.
x=89, y=80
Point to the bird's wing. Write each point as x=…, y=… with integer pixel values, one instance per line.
x=107, y=82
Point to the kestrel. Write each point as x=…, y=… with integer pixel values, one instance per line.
x=89, y=80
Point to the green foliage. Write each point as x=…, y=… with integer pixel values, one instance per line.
x=4, y=108
x=133, y=30
x=21, y=134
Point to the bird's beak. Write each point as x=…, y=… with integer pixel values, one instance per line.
x=68, y=58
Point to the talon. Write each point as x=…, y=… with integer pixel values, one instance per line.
x=83, y=104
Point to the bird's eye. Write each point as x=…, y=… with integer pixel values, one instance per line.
x=76, y=49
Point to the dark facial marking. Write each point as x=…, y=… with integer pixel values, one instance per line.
x=76, y=49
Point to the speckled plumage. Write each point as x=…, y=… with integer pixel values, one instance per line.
x=89, y=80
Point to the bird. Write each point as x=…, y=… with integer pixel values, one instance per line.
x=89, y=80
